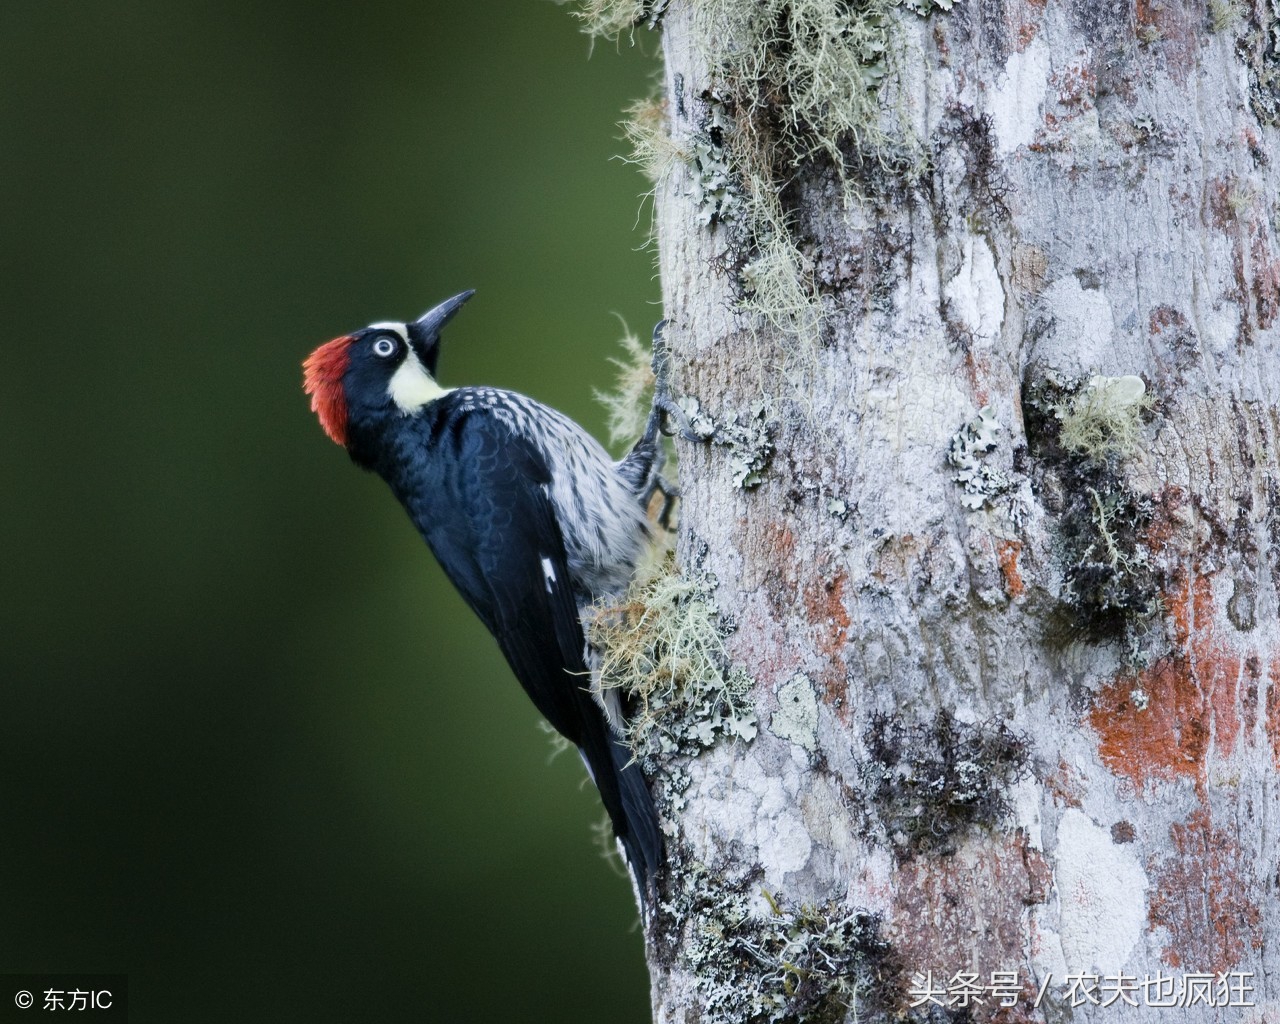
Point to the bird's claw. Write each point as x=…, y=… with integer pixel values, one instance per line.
x=665, y=406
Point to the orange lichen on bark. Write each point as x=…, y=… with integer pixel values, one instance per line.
x=1273, y=710
x=1007, y=551
x=1217, y=194
x=1162, y=722
x=1198, y=895
x=1173, y=29
x=1215, y=668
x=1024, y=21
x=1065, y=785
x=1158, y=735
x=824, y=601
x=1266, y=282
x=824, y=606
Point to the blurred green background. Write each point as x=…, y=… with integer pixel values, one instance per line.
x=256, y=752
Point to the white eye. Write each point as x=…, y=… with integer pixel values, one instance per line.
x=384, y=348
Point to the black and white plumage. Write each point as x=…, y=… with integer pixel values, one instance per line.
x=527, y=515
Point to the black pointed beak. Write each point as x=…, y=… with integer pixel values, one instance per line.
x=433, y=319
x=425, y=331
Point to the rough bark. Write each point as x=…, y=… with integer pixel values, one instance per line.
x=1017, y=688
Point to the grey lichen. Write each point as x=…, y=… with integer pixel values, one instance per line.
x=663, y=647
x=749, y=438
x=1144, y=129
x=1081, y=433
x=797, y=716
x=747, y=435
x=978, y=481
x=1259, y=47
x=931, y=784
x=759, y=960
x=926, y=7
x=716, y=188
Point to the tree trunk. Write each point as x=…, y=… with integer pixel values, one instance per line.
x=977, y=306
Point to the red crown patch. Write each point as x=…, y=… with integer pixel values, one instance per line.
x=322, y=375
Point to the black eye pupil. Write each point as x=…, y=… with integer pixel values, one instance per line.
x=384, y=347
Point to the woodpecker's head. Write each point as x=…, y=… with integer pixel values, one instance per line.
x=387, y=368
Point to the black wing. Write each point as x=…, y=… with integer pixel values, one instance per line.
x=493, y=529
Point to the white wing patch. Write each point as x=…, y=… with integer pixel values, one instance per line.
x=411, y=387
x=549, y=571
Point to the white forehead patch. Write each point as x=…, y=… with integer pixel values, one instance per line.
x=393, y=327
x=411, y=387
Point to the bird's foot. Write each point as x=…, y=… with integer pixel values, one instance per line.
x=670, y=494
x=665, y=406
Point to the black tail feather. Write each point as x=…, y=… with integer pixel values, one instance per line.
x=625, y=796
x=642, y=839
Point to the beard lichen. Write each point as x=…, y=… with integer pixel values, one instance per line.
x=652, y=150
x=795, y=91
x=794, y=85
x=611, y=19
x=662, y=646
x=627, y=406
x=1104, y=417
x=797, y=87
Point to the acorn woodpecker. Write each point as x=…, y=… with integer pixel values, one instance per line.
x=527, y=515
